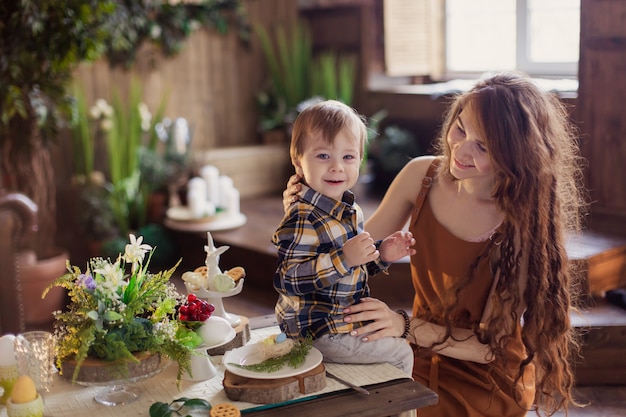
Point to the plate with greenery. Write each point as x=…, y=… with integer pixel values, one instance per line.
x=247, y=361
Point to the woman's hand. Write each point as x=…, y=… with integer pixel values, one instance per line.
x=385, y=322
x=290, y=195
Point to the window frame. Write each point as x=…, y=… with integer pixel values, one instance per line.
x=536, y=68
x=437, y=65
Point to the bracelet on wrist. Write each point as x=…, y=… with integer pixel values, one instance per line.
x=407, y=323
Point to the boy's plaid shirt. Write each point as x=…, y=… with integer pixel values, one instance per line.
x=312, y=279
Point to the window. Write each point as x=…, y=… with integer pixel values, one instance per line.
x=540, y=37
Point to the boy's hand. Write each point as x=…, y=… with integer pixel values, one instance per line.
x=396, y=246
x=360, y=250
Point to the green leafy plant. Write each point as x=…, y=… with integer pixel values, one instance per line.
x=333, y=77
x=42, y=43
x=128, y=130
x=168, y=25
x=161, y=409
x=117, y=309
x=297, y=75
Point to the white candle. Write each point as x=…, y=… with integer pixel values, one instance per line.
x=212, y=177
x=196, y=203
x=180, y=135
x=234, y=202
x=226, y=185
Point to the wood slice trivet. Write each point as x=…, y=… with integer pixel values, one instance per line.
x=271, y=391
x=242, y=337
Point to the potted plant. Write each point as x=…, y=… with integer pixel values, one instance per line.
x=142, y=154
x=42, y=42
x=298, y=77
x=120, y=320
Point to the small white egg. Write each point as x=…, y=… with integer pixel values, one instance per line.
x=215, y=330
x=7, y=350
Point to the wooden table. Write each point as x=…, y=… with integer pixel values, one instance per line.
x=392, y=393
x=385, y=399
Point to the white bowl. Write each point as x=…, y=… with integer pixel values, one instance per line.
x=215, y=331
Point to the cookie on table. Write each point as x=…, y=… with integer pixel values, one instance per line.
x=224, y=410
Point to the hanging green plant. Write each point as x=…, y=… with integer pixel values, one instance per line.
x=168, y=24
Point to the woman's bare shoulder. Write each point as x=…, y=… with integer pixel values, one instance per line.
x=417, y=167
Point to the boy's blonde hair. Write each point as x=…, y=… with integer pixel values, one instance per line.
x=327, y=118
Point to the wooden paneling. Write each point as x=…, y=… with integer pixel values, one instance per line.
x=255, y=170
x=601, y=110
x=212, y=82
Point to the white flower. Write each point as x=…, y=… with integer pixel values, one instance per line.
x=135, y=250
x=95, y=112
x=146, y=117
x=106, y=125
x=107, y=111
x=155, y=31
x=112, y=274
x=194, y=24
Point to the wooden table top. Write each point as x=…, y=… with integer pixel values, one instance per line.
x=385, y=399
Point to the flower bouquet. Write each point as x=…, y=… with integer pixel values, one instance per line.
x=119, y=315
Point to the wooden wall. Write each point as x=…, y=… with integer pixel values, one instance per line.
x=212, y=82
x=601, y=111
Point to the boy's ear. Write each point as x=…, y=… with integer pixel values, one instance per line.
x=298, y=168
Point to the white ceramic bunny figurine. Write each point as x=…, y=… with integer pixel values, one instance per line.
x=213, y=257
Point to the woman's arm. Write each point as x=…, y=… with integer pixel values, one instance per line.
x=395, y=208
x=463, y=344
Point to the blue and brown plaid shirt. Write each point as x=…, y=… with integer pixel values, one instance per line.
x=312, y=279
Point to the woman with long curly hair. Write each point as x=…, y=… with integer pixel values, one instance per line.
x=490, y=214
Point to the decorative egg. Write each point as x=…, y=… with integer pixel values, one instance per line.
x=24, y=390
x=34, y=408
x=7, y=350
x=215, y=330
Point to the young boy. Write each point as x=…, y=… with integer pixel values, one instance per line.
x=324, y=256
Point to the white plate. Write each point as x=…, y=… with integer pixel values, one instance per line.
x=183, y=214
x=222, y=222
x=249, y=354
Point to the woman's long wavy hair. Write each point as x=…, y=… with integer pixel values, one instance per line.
x=533, y=149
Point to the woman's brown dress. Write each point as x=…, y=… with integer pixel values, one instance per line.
x=465, y=388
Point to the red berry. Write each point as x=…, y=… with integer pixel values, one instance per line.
x=191, y=298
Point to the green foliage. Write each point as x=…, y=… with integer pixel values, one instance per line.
x=297, y=75
x=168, y=25
x=294, y=358
x=43, y=41
x=118, y=309
x=161, y=409
x=333, y=77
x=82, y=138
x=289, y=63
